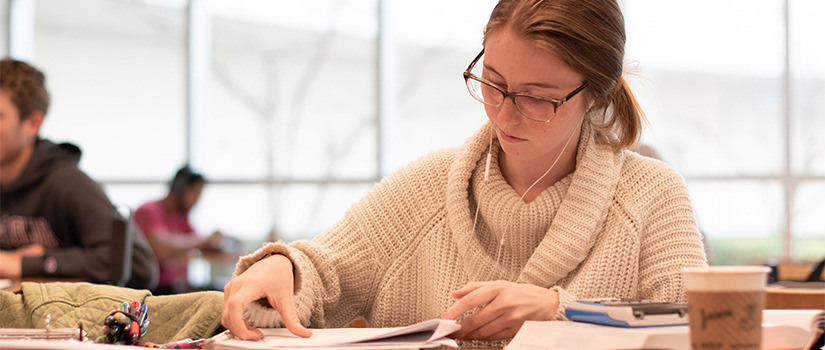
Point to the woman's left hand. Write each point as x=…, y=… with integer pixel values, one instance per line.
x=504, y=308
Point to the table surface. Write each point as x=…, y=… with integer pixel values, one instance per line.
x=794, y=298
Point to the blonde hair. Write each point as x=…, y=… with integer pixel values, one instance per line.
x=589, y=36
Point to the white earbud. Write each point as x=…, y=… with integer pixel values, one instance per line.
x=513, y=211
x=486, y=174
x=521, y=200
x=489, y=156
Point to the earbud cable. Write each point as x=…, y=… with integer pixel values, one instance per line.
x=486, y=176
x=521, y=200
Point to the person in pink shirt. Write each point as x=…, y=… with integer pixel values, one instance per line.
x=165, y=223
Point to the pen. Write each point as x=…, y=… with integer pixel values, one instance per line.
x=134, y=307
x=185, y=344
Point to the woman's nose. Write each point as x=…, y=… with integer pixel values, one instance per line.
x=508, y=113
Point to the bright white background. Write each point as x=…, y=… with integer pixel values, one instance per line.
x=288, y=133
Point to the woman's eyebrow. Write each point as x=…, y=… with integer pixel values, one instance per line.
x=541, y=85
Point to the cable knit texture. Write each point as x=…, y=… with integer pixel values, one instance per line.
x=620, y=226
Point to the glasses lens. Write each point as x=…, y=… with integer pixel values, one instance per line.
x=484, y=92
x=535, y=108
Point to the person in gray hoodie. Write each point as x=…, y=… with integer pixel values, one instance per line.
x=55, y=221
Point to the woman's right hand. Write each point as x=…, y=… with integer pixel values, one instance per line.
x=270, y=278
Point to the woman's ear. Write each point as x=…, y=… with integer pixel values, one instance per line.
x=590, y=103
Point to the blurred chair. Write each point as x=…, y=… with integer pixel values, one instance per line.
x=799, y=286
x=122, y=232
x=134, y=263
x=800, y=272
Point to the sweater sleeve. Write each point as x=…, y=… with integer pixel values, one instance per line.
x=669, y=239
x=656, y=204
x=269, y=249
x=340, y=270
x=84, y=229
x=336, y=273
x=335, y=277
x=565, y=299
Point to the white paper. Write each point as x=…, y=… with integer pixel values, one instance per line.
x=39, y=334
x=780, y=329
x=56, y=345
x=6, y=283
x=797, y=318
x=788, y=328
x=425, y=334
x=560, y=335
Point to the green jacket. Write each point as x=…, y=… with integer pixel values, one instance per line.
x=171, y=317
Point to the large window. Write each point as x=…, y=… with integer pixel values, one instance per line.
x=294, y=109
x=431, y=97
x=4, y=29
x=116, y=73
x=731, y=99
x=807, y=124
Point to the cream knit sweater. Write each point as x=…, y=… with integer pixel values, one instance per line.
x=620, y=226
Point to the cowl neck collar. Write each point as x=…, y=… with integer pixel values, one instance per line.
x=573, y=230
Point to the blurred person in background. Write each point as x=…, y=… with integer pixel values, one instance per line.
x=165, y=223
x=55, y=221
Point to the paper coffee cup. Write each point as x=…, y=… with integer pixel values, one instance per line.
x=725, y=306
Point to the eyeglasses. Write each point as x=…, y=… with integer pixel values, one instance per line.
x=540, y=109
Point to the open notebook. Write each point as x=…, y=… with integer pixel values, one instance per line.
x=427, y=334
x=781, y=329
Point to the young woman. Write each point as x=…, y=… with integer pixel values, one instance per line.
x=542, y=206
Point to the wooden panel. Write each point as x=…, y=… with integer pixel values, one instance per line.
x=795, y=272
x=794, y=298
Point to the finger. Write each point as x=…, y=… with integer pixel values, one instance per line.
x=232, y=319
x=469, y=287
x=483, y=317
x=257, y=334
x=234, y=301
x=491, y=332
x=286, y=308
x=469, y=301
x=482, y=330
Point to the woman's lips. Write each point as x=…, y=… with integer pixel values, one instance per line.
x=507, y=137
